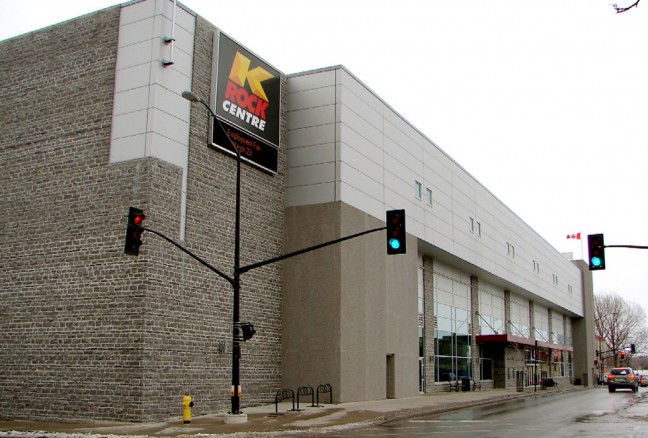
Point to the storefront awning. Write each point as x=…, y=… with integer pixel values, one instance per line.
x=506, y=338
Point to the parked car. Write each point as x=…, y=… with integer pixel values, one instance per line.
x=620, y=378
x=643, y=380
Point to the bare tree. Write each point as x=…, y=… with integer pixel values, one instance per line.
x=619, y=324
x=620, y=9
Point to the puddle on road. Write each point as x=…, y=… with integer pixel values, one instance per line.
x=637, y=409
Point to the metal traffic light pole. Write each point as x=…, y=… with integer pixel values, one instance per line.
x=235, y=391
x=236, y=286
x=237, y=335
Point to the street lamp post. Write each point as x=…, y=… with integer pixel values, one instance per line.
x=235, y=392
x=241, y=332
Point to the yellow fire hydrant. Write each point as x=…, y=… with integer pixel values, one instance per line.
x=187, y=404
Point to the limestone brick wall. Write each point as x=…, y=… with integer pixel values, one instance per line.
x=87, y=332
x=210, y=231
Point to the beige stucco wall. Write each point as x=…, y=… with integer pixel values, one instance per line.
x=348, y=309
x=583, y=332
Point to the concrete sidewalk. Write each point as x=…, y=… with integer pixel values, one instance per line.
x=263, y=422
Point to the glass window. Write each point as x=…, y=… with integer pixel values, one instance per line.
x=444, y=324
x=463, y=346
x=464, y=367
x=444, y=369
x=486, y=363
x=428, y=197
x=452, y=337
x=461, y=321
x=443, y=310
x=453, y=347
x=443, y=343
x=421, y=342
x=417, y=189
x=498, y=325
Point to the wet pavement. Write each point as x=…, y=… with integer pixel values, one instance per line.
x=262, y=421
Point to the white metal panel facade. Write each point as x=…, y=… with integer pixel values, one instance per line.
x=377, y=160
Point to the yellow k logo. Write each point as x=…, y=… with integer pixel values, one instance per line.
x=241, y=71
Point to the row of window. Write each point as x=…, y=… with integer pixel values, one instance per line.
x=475, y=228
x=454, y=367
x=418, y=192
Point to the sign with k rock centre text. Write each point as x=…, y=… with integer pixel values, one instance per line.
x=248, y=105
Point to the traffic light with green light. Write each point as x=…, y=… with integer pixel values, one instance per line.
x=596, y=252
x=396, y=243
x=134, y=231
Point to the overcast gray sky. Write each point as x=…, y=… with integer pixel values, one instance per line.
x=545, y=102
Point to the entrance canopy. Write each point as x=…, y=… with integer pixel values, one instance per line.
x=507, y=338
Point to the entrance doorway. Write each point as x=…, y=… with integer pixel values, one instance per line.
x=391, y=377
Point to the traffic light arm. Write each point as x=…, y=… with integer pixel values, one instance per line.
x=243, y=269
x=626, y=246
x=246, y=268
x=194, y=256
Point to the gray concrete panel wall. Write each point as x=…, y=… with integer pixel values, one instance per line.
x=583, y=330
x=311, y=299
x=350, y=311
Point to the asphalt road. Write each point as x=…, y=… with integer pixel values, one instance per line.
x=592, y=413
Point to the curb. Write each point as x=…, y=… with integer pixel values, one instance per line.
x=287, y=429
x=389, y=418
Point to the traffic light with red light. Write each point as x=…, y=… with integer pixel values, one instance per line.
x=134, y=231
x=596, y=252
x=622, y=354
x=396, y=242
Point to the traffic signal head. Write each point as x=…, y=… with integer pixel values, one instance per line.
x=596, y=252
x=134, y=231
x=248, y=331
x=622, y=354
x=396, y=243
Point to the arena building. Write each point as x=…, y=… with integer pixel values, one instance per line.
x=94, y=122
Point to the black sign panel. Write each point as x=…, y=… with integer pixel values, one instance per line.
x=253, y=150
x=248, y=91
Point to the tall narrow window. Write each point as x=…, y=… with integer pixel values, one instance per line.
x=417, y=189
x=428, y=197
x=510, y=250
